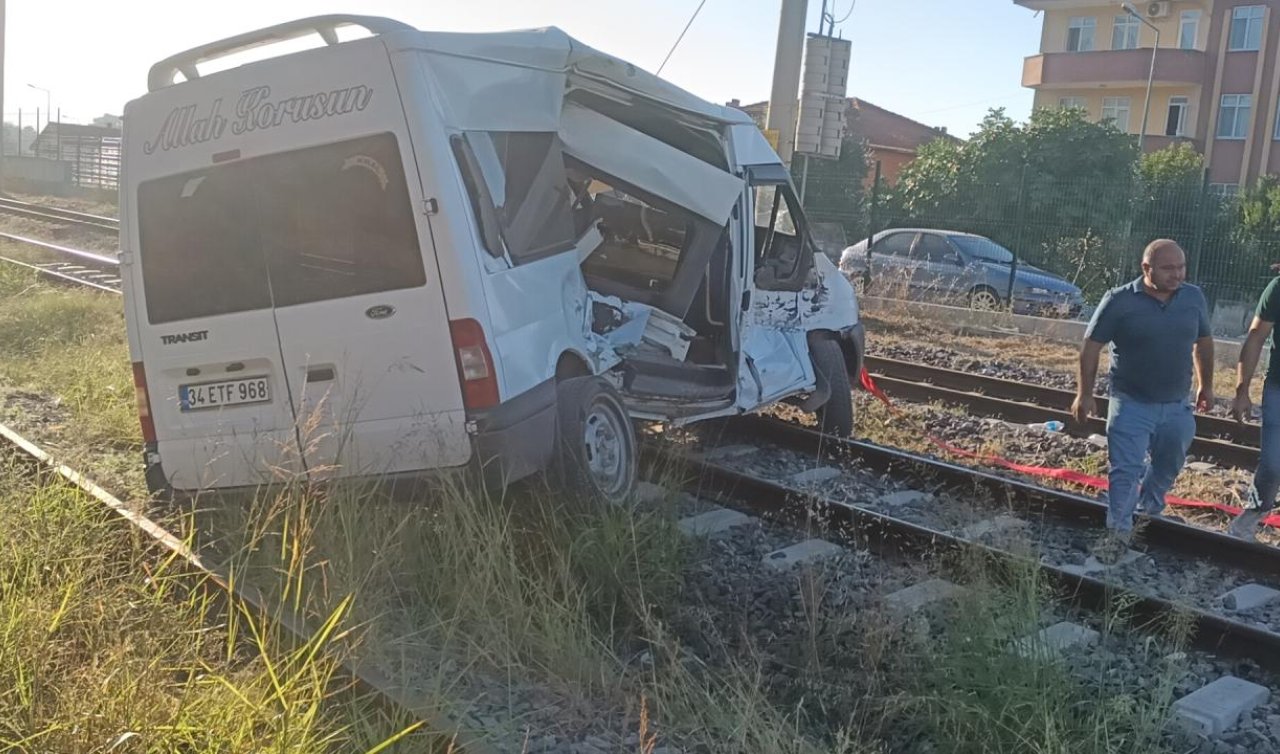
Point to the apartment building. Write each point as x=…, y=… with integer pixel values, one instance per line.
x=1215, y=82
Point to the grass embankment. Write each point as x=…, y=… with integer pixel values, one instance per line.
x=463, y=599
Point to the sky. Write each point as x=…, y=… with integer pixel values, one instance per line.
x=942, y=62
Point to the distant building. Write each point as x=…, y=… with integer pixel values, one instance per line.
x=92, y=151
x=1215, y=85
x=892, y=139
x=109, y=121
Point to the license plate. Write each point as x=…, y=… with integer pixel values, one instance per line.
x=226, y=393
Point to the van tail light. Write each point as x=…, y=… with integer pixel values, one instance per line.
x=144, y=403
x=475, y=364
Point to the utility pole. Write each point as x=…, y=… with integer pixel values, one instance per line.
x=785, y=93
x=2, y=100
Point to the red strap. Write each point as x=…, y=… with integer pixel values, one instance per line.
x=1065, y=475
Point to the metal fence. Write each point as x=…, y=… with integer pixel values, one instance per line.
x=1089, y=233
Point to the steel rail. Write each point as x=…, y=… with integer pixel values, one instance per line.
x=882, y=534
x=393, y=699
x=1049, y=397
x=42, y=212
x=958, y=389
x=97, y=264
x=1253, y=557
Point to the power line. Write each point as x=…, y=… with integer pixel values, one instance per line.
x=677, y=44
x=852, y=5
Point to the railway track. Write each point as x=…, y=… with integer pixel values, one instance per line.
x=1172, y=547
x=75, y=266
x=370, y=682
x=1222, y=441
x=96, y=223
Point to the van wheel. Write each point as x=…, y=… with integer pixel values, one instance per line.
x=984, y=299
x=598, y=454
x=835, y=417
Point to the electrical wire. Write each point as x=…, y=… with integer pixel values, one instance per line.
x=852, y=5
x=681, y=37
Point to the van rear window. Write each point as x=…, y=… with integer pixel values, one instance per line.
x=285, y=229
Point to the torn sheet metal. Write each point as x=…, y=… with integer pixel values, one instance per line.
x=649, y=164
x=627, y=326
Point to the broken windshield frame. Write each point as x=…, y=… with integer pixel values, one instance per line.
x=783, y=247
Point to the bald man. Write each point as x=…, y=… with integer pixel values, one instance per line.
x=1156, y=325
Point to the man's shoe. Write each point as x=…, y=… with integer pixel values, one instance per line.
x=1111, y=547
x=1246, y=525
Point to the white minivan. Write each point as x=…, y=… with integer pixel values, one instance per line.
x=399, y=251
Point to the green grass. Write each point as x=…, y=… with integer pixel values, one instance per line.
x=971, y=694
x=105, y=644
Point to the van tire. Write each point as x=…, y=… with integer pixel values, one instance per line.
x=835, y=417
x=598, y=453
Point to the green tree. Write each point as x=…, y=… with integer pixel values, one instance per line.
x=1038, y=187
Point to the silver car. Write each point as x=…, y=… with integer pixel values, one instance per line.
x=949, y=267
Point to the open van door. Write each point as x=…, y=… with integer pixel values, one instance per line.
x=774, y=356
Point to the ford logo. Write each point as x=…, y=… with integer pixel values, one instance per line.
x=381, y=311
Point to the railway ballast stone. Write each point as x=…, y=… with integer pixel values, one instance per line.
x=1249, y=596
x=816, y=475
x=997, y=525
x=1055, y=639
x=1216, y=708
x=917, y=596
x=905, y=497
x=805, y=552
x=730, y=451
x=713, y=522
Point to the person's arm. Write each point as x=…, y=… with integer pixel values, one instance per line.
x=1264, y=318
x=1203, y=354
x=1100, y=331
x=1083, y=406
x=1242, y=404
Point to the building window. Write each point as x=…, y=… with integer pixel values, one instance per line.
x=1116, y=109
x=1189, y=29
x=1233, y=116
x=1080, y=34
x=1246, y=27
x=1176, y=125
x=1068, y=103
x=1124, y=34
x=1224, y=190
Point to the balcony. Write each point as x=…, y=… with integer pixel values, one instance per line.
x=1113, y=68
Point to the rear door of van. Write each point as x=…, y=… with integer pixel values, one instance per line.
x=332, y=295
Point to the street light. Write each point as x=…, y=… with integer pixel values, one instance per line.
x=1146, y=107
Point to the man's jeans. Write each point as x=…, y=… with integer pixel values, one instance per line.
x=1135, y=428
x=1266, y=480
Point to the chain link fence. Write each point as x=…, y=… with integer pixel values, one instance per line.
x=1089, y=233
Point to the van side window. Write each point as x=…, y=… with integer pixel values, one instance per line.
x=783, y=252
x=519, y=192
x=288, y=228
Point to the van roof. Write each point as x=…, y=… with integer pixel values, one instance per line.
x=548, y=49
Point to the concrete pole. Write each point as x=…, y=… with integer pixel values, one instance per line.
x=785, y=95
x=2, y=99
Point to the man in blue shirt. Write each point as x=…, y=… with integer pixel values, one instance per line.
x=1156, y=326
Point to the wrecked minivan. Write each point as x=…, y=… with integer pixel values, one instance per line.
x=404, y=251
